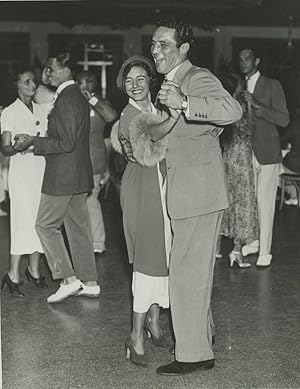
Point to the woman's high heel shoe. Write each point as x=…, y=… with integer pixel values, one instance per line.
x=157, y=341
x=137, y=359
x=236, y=257
x=13, y=287
x=38, y=282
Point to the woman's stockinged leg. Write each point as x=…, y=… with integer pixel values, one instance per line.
x=237, y=246
x=33, y=267
x=153, y=320
x=137, y=333
x=14, y=268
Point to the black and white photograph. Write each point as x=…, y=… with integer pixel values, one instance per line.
x=150, y=194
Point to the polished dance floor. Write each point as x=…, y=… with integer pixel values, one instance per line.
x=80, y=343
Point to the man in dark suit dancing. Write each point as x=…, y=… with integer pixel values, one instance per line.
x=67, y=180
x=268, y=105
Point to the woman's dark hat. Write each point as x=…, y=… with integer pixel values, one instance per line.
x=134, y=59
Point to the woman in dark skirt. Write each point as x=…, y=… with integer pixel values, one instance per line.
x=146, y=224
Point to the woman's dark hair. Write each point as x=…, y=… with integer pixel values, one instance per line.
x=230, y=82
x=183, y=31
x=13, y=78
x=90, y=76
x=151, y=73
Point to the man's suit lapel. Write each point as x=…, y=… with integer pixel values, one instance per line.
x=181, y=71
x=259, y=88
x=71, y=87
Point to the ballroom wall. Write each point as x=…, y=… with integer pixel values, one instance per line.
x=214, y=45
x=222, y=35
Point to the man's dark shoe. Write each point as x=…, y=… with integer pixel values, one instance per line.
x=180, y=368
x=172, y=348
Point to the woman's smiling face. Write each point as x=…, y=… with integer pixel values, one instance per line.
x=26, y=84
x=137, y=83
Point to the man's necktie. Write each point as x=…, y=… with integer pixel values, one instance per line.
x=245, y=84
x=249, y=108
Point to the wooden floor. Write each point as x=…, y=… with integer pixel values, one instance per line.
x=80, y=342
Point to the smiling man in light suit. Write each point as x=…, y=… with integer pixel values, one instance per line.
x=196, y=194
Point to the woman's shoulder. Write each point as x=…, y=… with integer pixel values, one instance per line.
x=128, y=113
x=9, y=112
x=11, y=107
x=9, y=116
x=129, y=109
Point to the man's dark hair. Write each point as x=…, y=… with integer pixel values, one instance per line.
x=66, y=59
x=253, y=51
x=183, y=31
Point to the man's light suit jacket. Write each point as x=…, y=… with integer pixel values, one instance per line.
x=195, y=171
x=271, y=113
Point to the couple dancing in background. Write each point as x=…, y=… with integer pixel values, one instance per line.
x=252, y=160
x=67, y=180
x=178, y=145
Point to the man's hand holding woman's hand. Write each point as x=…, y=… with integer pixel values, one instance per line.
x=170, y=95
x=23, y=142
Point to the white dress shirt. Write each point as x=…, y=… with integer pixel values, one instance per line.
x=251, y=81
x=170, y=76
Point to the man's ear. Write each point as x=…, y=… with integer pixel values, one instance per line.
x=257, y=62
x=68, y=72
x=184, y=48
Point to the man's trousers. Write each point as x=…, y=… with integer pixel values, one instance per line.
x=191, y=280
x=70, y=210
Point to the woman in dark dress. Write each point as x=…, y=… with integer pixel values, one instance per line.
x=240, y=219
x=146, y=224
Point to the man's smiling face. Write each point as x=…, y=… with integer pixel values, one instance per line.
x=165, y=51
